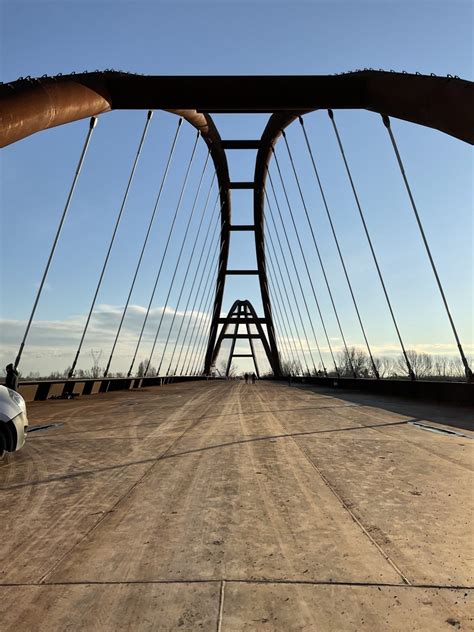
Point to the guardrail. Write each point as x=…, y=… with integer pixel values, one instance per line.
x=63, y=389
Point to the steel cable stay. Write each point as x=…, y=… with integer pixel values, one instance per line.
x=285, y=354
x=341, y=258
x=276, y=284
x=323, y=269
x=282, y=324
x=305, y=264
x=205, y=248
x=219, y=282
x=293, y=336
x=197, y=310
x=467, y=368
x=201, y=354
x=276, y=258
x=369, y=240
x=207, y=286
x=279, y=313
x=185, y=277
x=297, y=278
x=201, y=341
x=170, y=233
x=178, y=261
x=207, y=315
x=193, y=308
x=147, y=235
x=112, y=240
x=92, y=124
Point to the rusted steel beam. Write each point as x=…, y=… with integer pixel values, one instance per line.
x=237, y=227
x=443, y=103
x=240, y=144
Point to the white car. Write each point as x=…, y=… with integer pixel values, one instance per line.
x=13, y=421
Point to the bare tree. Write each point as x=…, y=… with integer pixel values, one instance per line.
x=421, y=364
x=356, y=358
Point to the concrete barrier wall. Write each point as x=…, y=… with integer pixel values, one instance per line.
x=461, y=393
x=47, y=389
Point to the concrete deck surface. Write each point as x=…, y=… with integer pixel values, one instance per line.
x=223, y=506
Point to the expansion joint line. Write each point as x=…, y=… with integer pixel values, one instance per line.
x=295, y=267
x=112, y=240
x=147, y=235
x=323, y=269
x=302, y=250
x=336, y=241
x=467, y=368
x=92, y=124
x=369, y=240
x=178, y=261
x=170, y=233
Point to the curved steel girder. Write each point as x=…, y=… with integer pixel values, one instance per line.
x=443, y=103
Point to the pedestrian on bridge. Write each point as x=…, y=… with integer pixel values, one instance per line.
x=246, y=377
x=254, y=378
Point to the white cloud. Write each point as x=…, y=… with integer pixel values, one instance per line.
x=51, y=345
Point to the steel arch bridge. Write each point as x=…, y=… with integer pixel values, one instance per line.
x=445, y=104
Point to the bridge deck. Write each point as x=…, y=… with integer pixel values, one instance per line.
x=221, y=506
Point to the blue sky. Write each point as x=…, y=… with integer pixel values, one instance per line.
x=232, y=38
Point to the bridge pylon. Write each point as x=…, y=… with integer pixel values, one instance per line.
x=243, y=315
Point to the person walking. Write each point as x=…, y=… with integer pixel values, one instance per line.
x=254, y=378
x=11, y=380
x=246, y=377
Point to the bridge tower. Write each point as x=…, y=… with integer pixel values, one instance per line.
x=242, y=309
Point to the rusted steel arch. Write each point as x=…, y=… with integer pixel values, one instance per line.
x=443, y=103
x=271, y=133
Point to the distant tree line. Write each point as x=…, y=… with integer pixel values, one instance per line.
x=425, y=366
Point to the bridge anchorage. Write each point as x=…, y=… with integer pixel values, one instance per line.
x=293, y=329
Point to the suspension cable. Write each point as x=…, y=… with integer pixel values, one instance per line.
x=341, y=258
x=195, y=329
x=170, y=232
x=178, y=261
x=379, y=272
x=92, y=124
x=293, y=336
x=323, y=269
x=467, y=369
x=112, y=240
x=297, y=278
x=152, y=219
x=204, y=249
x=185, y=278
x=278, y=304
x=302, y=251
